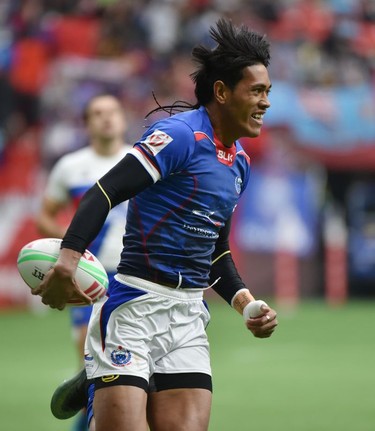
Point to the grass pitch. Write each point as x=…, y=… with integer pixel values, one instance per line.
x=316, y=373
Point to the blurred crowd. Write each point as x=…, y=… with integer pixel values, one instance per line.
x=54, y=54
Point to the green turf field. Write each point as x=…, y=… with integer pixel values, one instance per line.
x=315, y=374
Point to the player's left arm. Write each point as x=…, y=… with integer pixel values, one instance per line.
x=229, y=285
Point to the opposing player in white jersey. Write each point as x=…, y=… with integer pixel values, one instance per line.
x=73, y=175
x=147, y=349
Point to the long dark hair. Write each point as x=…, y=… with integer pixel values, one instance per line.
x=237, y=48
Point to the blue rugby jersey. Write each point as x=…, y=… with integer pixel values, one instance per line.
x=173, y=225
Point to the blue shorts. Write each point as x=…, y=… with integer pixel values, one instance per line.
x=80, y=316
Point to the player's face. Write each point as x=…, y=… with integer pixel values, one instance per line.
x=248, y=102
x=105, y=119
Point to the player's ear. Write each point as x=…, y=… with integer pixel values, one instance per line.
x=220, y=91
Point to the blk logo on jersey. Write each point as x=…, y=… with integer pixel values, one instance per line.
x=157, y=141
x=226, y=155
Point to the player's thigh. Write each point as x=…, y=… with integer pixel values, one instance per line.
x=120, y=408
x=186, y=409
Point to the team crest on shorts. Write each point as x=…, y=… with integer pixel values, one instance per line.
x=121, y=357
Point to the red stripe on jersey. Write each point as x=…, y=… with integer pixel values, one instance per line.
x=200, y=135
x=247, y=157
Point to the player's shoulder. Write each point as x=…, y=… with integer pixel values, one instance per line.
x=178, y=128
x=182, y=123
x=193, y=120
x=168, y=133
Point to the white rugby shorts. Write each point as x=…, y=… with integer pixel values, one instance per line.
x=160, y=331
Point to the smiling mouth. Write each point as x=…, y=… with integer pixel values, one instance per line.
x=258, y=118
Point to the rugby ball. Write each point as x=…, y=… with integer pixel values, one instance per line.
x=37, y=257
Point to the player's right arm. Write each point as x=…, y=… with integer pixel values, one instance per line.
x=121, y=183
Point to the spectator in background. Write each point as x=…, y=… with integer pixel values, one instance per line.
x=69, y=179
x=31, y=54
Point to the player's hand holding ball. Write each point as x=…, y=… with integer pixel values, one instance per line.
x=59, y=286
x=260, y=319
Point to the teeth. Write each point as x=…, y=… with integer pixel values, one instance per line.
x=257, y=116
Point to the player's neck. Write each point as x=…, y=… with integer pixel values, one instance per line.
x=218, y=125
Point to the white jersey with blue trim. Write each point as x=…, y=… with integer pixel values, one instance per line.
x=173, y=225
x=71, y=177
